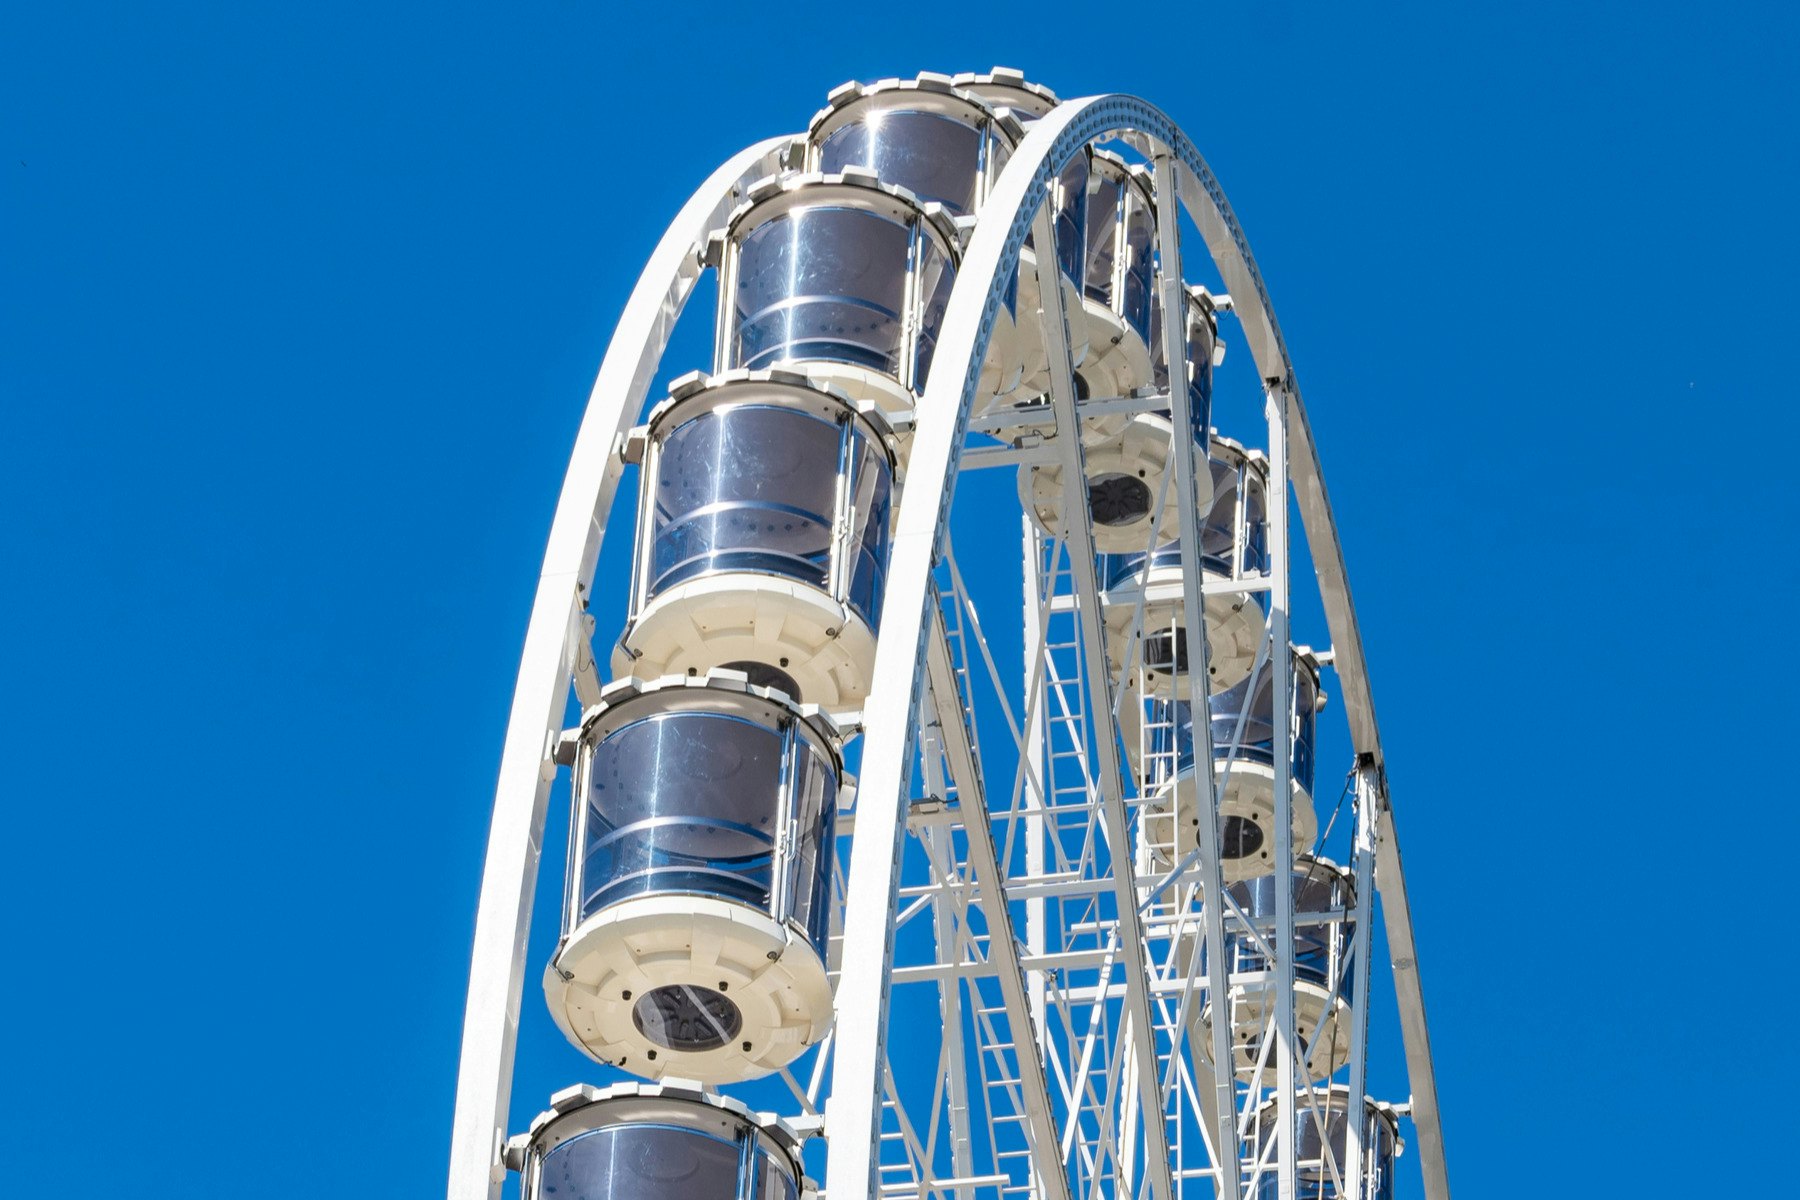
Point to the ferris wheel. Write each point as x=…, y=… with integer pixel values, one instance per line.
x=891, y=873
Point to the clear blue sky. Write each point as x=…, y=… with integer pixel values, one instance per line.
x=298, y=308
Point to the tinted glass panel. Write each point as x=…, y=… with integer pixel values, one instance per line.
x=932, y=156
x=640, y=1162
x=936, y=277
x=1071, y=202
x=1317, y=948
x=1218, y=537
x=1199, y=356
x=1314, y=1180
x=821, y=283
x=773, y=1182
x=871, y=488
x=1102, y=221
x=1256, y=523
x=1140, y=262
x=749, y=488
x=690, y=802
x=815, y=808
x=1252, y=703
x=682, y=802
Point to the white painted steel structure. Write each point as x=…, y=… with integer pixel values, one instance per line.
x=999, y=878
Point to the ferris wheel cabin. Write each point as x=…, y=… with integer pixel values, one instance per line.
x=1132, y=498
x=1323, y=899
x=1143, y=598
x=1243, y=740
x=1322, y=1128
x=697, y=914
x=764, y=515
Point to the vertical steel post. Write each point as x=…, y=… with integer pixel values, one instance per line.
x=1114, y=819
x=1281, y=662
x=1221, y=1097
x=1363, y=913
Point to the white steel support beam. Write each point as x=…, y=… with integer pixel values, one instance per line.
x=949, y=916
x=853, y=1115
x=1281, y=662
x=1138, y=1028
x=1037, y=907
x=1002, y=945
x=1219, y=1094
x=555, y=649
x=1396, y=915
x=1363, y=914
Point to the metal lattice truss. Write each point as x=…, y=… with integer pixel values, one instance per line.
x=999, y=884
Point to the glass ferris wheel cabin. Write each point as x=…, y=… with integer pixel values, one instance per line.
x=840, y=276
x=1323, y=897
x=763, y=516
x=1322, y=1138
x=1233, y=547
x=696, y=915
x=1130, y=481
x=1243, y=740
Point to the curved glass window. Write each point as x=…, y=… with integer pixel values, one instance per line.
x=1256, y=520
x=935, y=157
x=1200, y=380
x=645, y=1161
x=871, y=498
x=814, y=786
x=1069, y=206
x=1139, y=283
x=754, y=487
x=1120, y=224
x=640, y=1162
x=1243, y=714
x=822, y=283
x=692, y=802
x=1071, y=216
x=772, y=1182
x=936, y=277
x=1101, y=225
